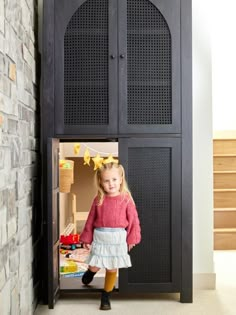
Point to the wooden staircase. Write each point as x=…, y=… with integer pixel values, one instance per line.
x=224, y=193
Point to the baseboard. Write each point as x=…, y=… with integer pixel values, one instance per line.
x=205, y=281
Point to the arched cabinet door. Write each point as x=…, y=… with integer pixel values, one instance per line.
x=117, y=67
x=149, y=68
x=85, y=67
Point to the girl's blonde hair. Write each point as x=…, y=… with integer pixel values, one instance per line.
x=98, y=176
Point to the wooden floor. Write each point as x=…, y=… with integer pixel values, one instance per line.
x=205, y=302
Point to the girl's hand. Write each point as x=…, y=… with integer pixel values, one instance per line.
x=130, y=246
x=86, y=246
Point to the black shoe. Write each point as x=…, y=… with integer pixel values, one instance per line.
x=105, y=301
x=88, y=277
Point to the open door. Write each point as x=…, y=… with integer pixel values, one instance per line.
x=53, y=220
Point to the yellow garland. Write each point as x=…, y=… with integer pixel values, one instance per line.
x=97, y=160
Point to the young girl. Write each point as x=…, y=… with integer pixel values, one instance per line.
x=112, y=228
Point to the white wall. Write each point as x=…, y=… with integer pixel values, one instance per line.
x=202, y=140
x=224, y=64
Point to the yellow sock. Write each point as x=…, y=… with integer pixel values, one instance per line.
x=110, y=280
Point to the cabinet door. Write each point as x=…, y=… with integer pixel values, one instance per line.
x=149, y=66
x=86, y=67
x=153, y=170
x=53, y=220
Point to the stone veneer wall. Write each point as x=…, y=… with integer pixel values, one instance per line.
x=20, y=214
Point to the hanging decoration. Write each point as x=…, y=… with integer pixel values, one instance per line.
x=76, y=148
x=110, y=159
x=87, y=157
x=98, y=160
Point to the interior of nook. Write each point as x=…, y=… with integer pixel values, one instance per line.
x=78, y=164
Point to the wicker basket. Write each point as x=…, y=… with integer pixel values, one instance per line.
x=66, y=177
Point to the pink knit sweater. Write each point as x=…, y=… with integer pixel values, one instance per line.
x=114, y=212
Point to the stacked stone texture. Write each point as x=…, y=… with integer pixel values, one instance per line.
x=19, y=150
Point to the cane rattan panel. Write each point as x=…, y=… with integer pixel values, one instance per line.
x=86, y=65
x=148, y=65
x=149, y=177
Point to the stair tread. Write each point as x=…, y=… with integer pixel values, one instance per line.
x=225, y=230
x=224, y=209
x=224, y=155
x=224, y=172
x=224, y=139
x=224, y=189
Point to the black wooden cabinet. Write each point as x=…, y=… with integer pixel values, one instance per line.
x=121, y=69
x=117, y=66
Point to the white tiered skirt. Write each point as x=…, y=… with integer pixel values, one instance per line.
x=109, y=249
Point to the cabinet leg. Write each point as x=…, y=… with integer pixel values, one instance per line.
x=186, y=296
